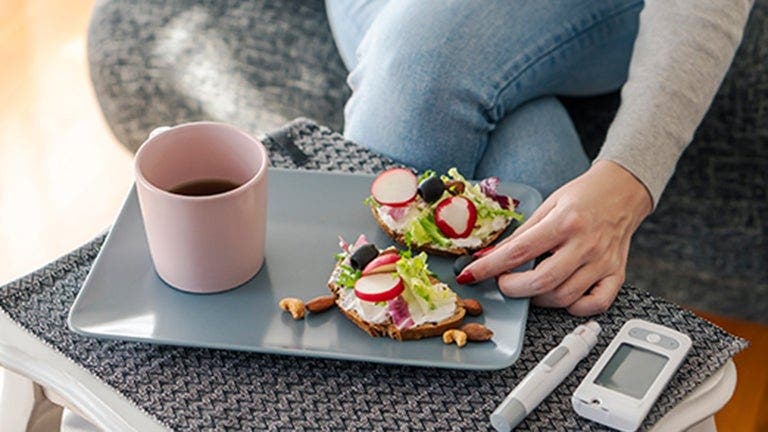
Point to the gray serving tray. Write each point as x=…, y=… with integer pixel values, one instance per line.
x=123, y=298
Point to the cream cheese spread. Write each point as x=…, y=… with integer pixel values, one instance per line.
x=434, y=315
x=368, y=311
x=378, y=314
x=471, y=242
x=399, y=225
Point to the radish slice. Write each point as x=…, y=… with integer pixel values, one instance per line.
x=386, y=263
x=456, y=216
x=395, y=187
x=379, y=287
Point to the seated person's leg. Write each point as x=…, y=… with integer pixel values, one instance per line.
x=350, y=20
x=537, y=145
x=433, y=80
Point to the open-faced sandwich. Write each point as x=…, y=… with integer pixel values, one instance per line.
x=391, y=293
x=443, y=215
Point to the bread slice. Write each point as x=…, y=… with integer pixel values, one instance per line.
x=389, y=328
x=434, y=249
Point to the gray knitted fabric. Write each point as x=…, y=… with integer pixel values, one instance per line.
x=202, y=389
x=253, y=63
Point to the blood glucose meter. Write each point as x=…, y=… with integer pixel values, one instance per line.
x=629, y=376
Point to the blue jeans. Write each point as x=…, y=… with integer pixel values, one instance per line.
x=472, y=84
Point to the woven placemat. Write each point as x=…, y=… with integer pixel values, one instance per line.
x=203, y=389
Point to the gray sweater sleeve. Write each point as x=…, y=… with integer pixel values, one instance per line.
x=682, y=52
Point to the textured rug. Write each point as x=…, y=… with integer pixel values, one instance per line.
x=216, y=390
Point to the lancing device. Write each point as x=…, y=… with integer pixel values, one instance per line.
x=545, y=376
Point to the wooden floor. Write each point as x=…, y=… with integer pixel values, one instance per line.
x=63, y=176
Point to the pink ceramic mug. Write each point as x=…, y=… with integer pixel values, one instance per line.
x=211, y=243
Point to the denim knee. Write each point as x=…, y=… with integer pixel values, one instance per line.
x=413, y=99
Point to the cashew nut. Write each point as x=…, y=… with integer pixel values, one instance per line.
x=294, y=306
x=454, y=335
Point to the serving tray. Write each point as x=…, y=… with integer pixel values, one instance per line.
x=123, y=298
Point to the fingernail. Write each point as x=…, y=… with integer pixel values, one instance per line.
x=483, y=251
x=465, y=277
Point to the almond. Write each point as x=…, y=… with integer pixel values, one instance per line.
x=477, y=332
x=320, y=304
x=472, y=306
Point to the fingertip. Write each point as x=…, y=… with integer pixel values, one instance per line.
x=599, y=299
x=509, y=286
x=465, y=277
x=578, y=311
x=480, y=269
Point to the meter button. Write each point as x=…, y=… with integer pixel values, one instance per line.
x=638, y=333
x=653, y=338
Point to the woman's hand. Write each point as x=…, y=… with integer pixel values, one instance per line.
x=587, y=225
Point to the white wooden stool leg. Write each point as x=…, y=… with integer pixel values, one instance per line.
x=16, y=401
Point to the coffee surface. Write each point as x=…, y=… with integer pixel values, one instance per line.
x=204, y=187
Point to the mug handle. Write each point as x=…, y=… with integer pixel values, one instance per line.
x=158, y=130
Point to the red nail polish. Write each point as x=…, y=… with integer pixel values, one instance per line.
x=465, y=277
x=483, y=251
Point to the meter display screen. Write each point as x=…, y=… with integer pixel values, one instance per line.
x=631, y=371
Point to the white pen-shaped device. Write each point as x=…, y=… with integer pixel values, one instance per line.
x=545, y=376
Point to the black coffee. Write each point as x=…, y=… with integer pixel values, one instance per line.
x=204, y=187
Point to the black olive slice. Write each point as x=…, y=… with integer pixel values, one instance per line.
x=363, y=255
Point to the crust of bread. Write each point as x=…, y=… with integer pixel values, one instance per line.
x=389, y=329
x=433, y=250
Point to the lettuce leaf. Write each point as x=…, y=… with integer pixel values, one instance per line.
x=419, y=290
x=425, y=175
x=487, y=208
x=370, y=202
x=348, y=276
x=423, y=230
